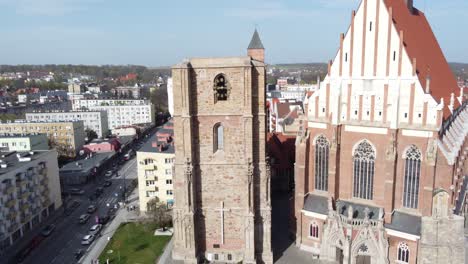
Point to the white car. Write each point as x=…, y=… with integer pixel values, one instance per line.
x=88, y=239
x=95, y=229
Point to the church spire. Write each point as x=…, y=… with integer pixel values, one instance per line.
x=256, y=50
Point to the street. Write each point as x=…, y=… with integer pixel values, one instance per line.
x=61, y=245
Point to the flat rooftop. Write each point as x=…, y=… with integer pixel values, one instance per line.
x=25, y=158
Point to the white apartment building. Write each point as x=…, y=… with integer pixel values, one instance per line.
x=120, y=112
x=24, y=142
x=29, y=192
x=155, y=164
x=94, y=120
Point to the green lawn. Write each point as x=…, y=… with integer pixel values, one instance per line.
x=135, y=243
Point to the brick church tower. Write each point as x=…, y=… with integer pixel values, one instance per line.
x=222, y=209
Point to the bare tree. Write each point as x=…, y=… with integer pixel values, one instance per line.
x=158, y=213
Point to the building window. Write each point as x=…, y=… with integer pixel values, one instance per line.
x=364, y=160
x=403, y=253
x=412, y=174
x=218, y=137
x=346, y=57
x=314, y=230
x=149, y=183
x=370, y=26
x=221, y=88
x=322, y=148
x=394, y=56
x=168, y=181
x=169, y=192
x=229, y=257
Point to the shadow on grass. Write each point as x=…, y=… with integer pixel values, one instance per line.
x=142, y=247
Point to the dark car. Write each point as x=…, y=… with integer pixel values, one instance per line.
x=48, y=230
x=99, y=191
x=91, y=209
x=75, y=204
x=111, y=212
x=76, y=191
x=78, y=254
x=107, y=183
x=104, y=219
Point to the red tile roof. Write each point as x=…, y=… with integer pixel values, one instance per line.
x=421, y=44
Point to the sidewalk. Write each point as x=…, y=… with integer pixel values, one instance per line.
x=122, y=216
x=23, y=242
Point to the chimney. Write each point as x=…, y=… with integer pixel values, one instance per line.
x=409, y=4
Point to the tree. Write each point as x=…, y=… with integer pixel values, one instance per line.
x=90, y=134
x=159, y=213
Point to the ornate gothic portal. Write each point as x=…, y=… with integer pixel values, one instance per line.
x=354, y=241
x=222, y=210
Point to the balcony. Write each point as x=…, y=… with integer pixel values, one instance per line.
x=9, y=189
x=11, y=203
x=12, y=216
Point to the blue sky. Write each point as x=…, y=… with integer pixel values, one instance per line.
x=161, y=33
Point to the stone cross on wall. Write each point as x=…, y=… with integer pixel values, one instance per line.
x=222, y=210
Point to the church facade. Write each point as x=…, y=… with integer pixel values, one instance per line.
x=381, y=156
x=222, y=210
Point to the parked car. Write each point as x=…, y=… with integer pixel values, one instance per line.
x=91, y=209
x=78, y=254
x=107, y=183
x=88, y=239
x=111, y=212
x=95, y=229
x=84, y=218
x=76, y=191
x=48, y=230
x=108, y=174
x=99, y=191
x=75, y=204
x=104, y=219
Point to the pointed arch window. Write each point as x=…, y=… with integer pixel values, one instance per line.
x=403, y=253
x=412, y=175
x=218, y=137
x=313, y=230
x=364, y=162
x=322, y=148
x=221, y=88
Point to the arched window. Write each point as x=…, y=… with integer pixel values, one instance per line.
x=221, y=88
x=364, y=160
x=218, y=137
x=322, y=148
x=412, y=174
x=314, y=230
x=403, y=253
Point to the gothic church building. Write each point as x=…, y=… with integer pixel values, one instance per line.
x=381, y=156
x=222, y=210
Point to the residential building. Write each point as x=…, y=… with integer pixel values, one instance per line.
x=103, y=145
x=67, y=137
x=93, y=120
x=222, y=210
x=283, y=116
x=155, y=163
x=75, y=88
x=126, y=131
x=24, y=142
x=380, y=163
x=132, y=92
x=120, y=112
x=29, y=193
x=170, y=96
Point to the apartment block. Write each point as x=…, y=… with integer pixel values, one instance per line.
x=155, y=162
x=22, y=142
x=29, y=192
x=94, y=120
x=119, y=112
x=67, y=137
